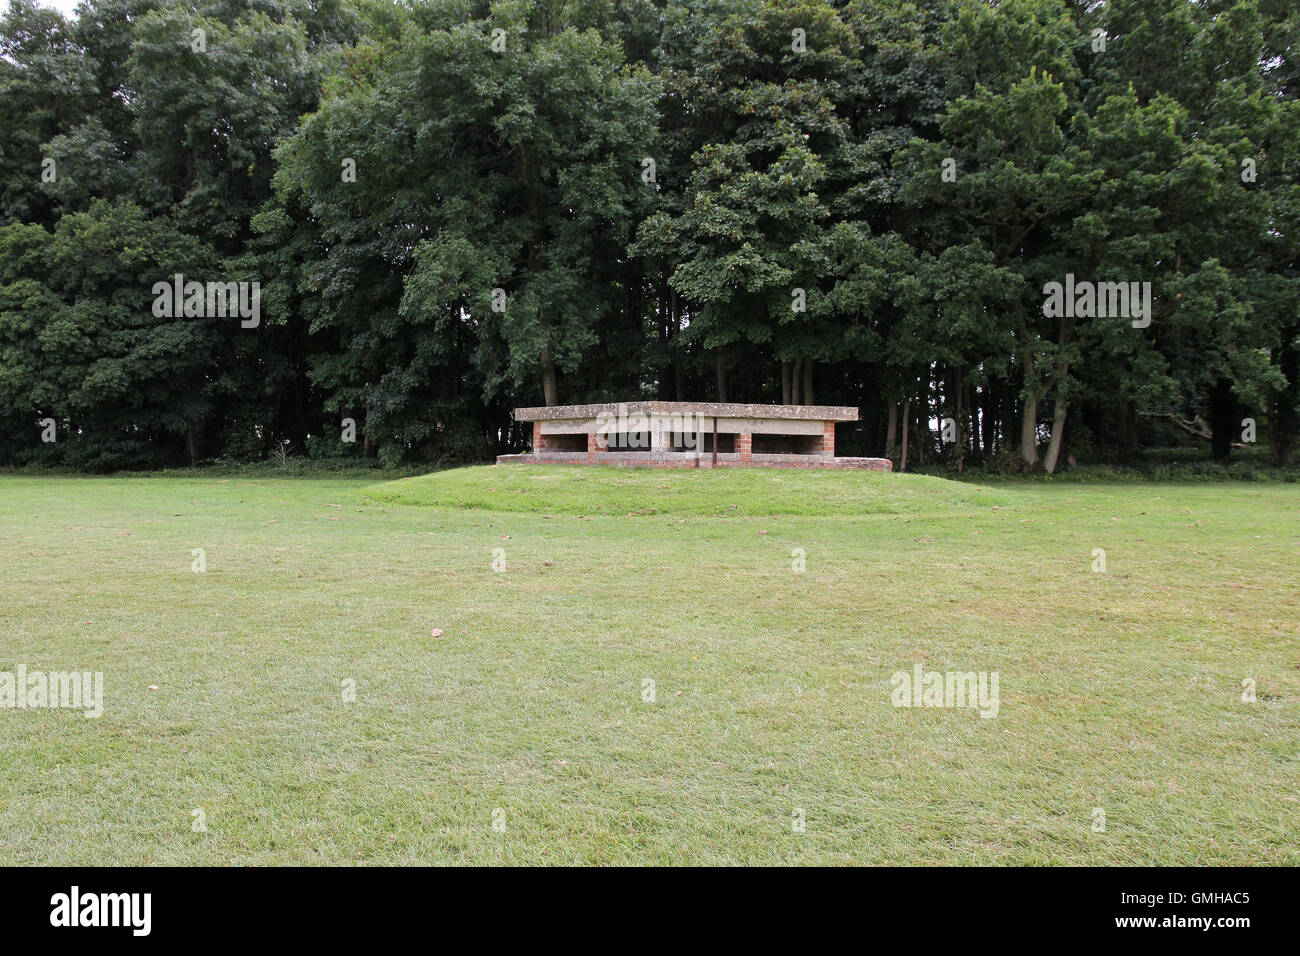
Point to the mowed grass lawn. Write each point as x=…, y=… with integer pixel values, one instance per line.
x=1119, y=690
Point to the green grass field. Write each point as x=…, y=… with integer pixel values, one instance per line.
x=1119, y=690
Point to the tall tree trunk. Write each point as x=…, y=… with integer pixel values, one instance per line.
x=907, y=417
x=1058, y=431
x=1029, y=414
x=550, y=391
x=808, y=397
x=1059, y=407
x=795, y=368
x=722, y=377
x=891, y=427
x=1061, y=404
x=1028, y=430
x=785, y=383
x=192, y=444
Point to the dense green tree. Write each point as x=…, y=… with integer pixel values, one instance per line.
x=496, y=182
x=456, y=207
x=46, y=86
x=83, y=348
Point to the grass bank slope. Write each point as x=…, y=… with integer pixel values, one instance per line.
x=605, y=490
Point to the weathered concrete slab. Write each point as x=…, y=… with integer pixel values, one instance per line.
x=824, y=413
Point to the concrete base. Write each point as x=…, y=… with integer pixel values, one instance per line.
x=686, y=460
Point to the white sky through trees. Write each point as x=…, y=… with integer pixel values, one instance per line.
x=67, y=7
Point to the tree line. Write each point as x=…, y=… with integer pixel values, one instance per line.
x=1019, y=234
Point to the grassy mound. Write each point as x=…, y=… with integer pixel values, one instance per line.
x=597, y=490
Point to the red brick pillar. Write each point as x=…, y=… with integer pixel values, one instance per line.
x=745, y=445
x=828, y=439
x=537, y=437
x=594, y=444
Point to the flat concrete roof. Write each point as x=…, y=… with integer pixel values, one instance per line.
x=819, y=413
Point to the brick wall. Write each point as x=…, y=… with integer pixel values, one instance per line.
x=760, y=461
